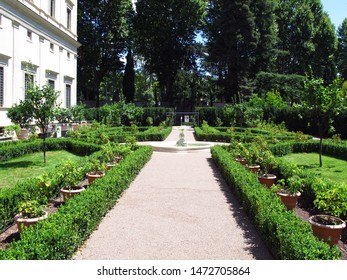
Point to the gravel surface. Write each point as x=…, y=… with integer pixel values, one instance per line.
x=178, y=208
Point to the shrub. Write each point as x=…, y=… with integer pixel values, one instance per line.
x=286, y=235
x=62, y=233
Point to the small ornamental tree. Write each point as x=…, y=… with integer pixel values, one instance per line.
x=41, y=104
x=325, y=103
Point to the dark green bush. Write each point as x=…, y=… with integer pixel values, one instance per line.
x=286, y=235
x=62, y=233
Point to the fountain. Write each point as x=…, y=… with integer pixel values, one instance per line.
x=182, y=145
x=181, y=142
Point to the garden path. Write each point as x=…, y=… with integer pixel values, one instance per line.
x=178, y=208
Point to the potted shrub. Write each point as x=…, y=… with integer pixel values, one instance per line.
x=239, y=151
x=30, y=212
x=267, y=161
x=69, y=176
x=289, y=191
x=331, y=202
x=111, y=153
x=97, y=170
x=252, y=158
x=19, y=114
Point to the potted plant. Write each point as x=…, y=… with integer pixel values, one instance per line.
x=331, y=202
x=240, y=152
x=289, y=191
x=30, y=212
x=97, y=170
x=268, y=161
x=69, y=176
x=252, y=158
x=111, y=154
x=19, y=114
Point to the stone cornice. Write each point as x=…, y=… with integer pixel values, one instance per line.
x=43, y=19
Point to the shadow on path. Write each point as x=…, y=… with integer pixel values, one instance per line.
x=256, y=244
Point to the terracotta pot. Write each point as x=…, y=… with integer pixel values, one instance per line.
x=329, y=233
x=267, y=179
x=94, y=175
x=254, y=168
x=67, y=194
x=243, y=161
x=289, y=200
x=24, y=133
x=27, y=222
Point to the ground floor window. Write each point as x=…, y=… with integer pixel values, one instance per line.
x=28, y=82
x=1, y=86
x=68, y=95
x=51, y=83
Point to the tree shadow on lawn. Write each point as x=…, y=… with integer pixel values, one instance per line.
x=256, y=244
x=18, y=164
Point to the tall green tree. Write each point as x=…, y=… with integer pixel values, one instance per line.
x=103, y=29
x=342, y=49
x=232, y=40
x=129, y=78
x=307, y=40
x=265, y=54
x=164, y=30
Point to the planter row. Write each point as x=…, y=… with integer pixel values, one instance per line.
x=59, y=236
x=287, y=236
x=28, y=189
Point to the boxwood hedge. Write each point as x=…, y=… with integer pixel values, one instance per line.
x=59, y=236
x=286, y=235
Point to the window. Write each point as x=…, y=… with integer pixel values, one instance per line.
x=51, y=47
x=0, y=20
x=51, y=83
x=68, y=95
x=28, y=82
x=68, y=55
x=1, y=86
x=52, y=8
x=29, y=35
x=68, y=18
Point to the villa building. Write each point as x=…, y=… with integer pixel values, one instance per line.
x=38, y=43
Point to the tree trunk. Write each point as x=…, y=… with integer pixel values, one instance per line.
x=320, y=151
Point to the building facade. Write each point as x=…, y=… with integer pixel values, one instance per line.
x=38, y=43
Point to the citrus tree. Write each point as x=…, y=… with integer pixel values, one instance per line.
x=325, y=103
x=41, y=105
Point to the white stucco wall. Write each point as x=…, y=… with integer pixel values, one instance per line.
x=19, y=54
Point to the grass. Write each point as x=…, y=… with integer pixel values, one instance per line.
x=29, y=166
x=334, y=169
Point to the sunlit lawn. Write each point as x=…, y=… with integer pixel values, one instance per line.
x=29, y=166
x=334, y=169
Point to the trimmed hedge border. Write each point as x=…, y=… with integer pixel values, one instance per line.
x=238, y=135
x=11, y=197
x=62, y=233
x=18, y=148
x=287, y=236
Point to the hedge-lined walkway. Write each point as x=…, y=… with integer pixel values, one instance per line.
x=178, y=207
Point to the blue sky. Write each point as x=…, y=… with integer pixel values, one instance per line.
x=337, y=10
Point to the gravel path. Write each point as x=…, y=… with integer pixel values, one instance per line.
x=178, y=208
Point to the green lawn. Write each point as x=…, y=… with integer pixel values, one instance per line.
x=28, y=166
x=334, y=169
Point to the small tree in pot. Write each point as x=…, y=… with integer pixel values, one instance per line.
x=30, y=212
x=267, y=161
x=289, y=190
x=97, y=170
x=69, y=176
x=331, y=202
